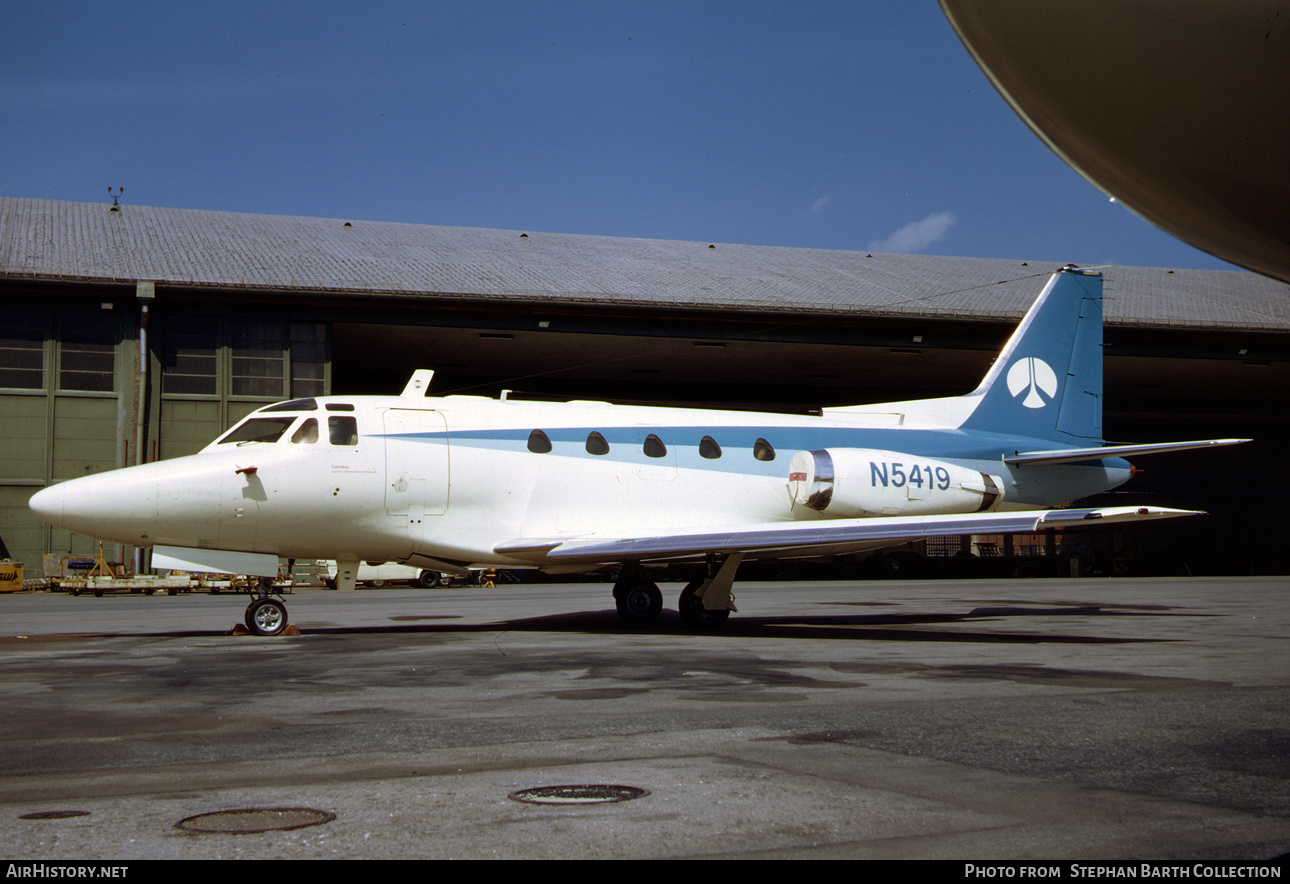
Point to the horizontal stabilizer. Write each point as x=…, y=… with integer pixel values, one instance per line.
x=1077, y=455
x=802, y=538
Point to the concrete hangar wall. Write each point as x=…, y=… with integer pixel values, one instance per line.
x=131, y=333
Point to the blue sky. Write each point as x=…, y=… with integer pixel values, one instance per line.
x=834, y=125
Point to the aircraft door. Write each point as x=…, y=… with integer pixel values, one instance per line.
x=416, y=464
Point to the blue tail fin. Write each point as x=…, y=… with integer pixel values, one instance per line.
x=1047, y=382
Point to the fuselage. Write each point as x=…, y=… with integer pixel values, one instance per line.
x=449, y=479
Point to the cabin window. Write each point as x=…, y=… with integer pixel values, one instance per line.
x=596, y=444
x=342, y=430
x=762, y=450
x=539, y=443
x=260, y=429
x=306, y=434
x=654, y=446
x=708, y=448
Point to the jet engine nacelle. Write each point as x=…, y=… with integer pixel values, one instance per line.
x=853, y=482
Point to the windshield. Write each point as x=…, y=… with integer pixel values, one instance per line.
x=260, y=429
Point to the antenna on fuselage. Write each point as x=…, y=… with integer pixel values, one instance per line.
x=418, y=384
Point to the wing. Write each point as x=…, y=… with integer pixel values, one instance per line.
x=786, y=540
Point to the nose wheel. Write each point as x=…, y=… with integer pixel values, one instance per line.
x=266, y=616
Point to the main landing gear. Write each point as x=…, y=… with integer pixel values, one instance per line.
x=705, y=604
x=639, y=601
x=266, y=615
x=694, y=614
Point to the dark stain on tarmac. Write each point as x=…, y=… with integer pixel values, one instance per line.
x=1262, y=751
x=1035, y=674
x=932, y=627
x=596, y=693
x=1147, y=741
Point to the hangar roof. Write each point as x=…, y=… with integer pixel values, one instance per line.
x=54, y=240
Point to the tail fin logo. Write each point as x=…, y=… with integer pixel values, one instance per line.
x=1035, y=378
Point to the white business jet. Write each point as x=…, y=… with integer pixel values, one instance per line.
x=465, y=482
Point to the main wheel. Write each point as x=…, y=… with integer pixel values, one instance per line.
x=694, y=615
x=639, y=604
x=266, y=617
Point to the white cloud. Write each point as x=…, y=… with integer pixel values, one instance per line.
x=821, y=204
x=918, y=235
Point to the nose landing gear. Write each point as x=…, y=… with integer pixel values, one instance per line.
x=266, y=615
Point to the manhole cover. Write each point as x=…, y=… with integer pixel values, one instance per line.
x=578, y=794
x=54, y=814
x=249, y=820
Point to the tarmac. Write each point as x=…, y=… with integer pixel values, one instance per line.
x=1079, y=719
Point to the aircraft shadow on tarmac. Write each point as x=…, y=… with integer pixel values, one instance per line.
x=999, y=623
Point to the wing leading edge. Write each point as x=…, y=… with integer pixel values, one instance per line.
x=810, y=538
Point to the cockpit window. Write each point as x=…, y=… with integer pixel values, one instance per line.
x=306, y=433
x=259, y=429
x=293, y=405
x=342, y=430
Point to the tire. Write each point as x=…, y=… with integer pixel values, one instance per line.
x=427, y=580
x=639, y=604
x=694, y=615
x=266, y=617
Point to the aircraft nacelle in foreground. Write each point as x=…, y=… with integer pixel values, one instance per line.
x=463, y=482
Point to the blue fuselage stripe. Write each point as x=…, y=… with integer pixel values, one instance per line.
x=737, y=443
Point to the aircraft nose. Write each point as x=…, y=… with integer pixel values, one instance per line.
x=49, y=503
x=109, y=506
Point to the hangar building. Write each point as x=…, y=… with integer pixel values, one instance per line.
x=130, y=333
